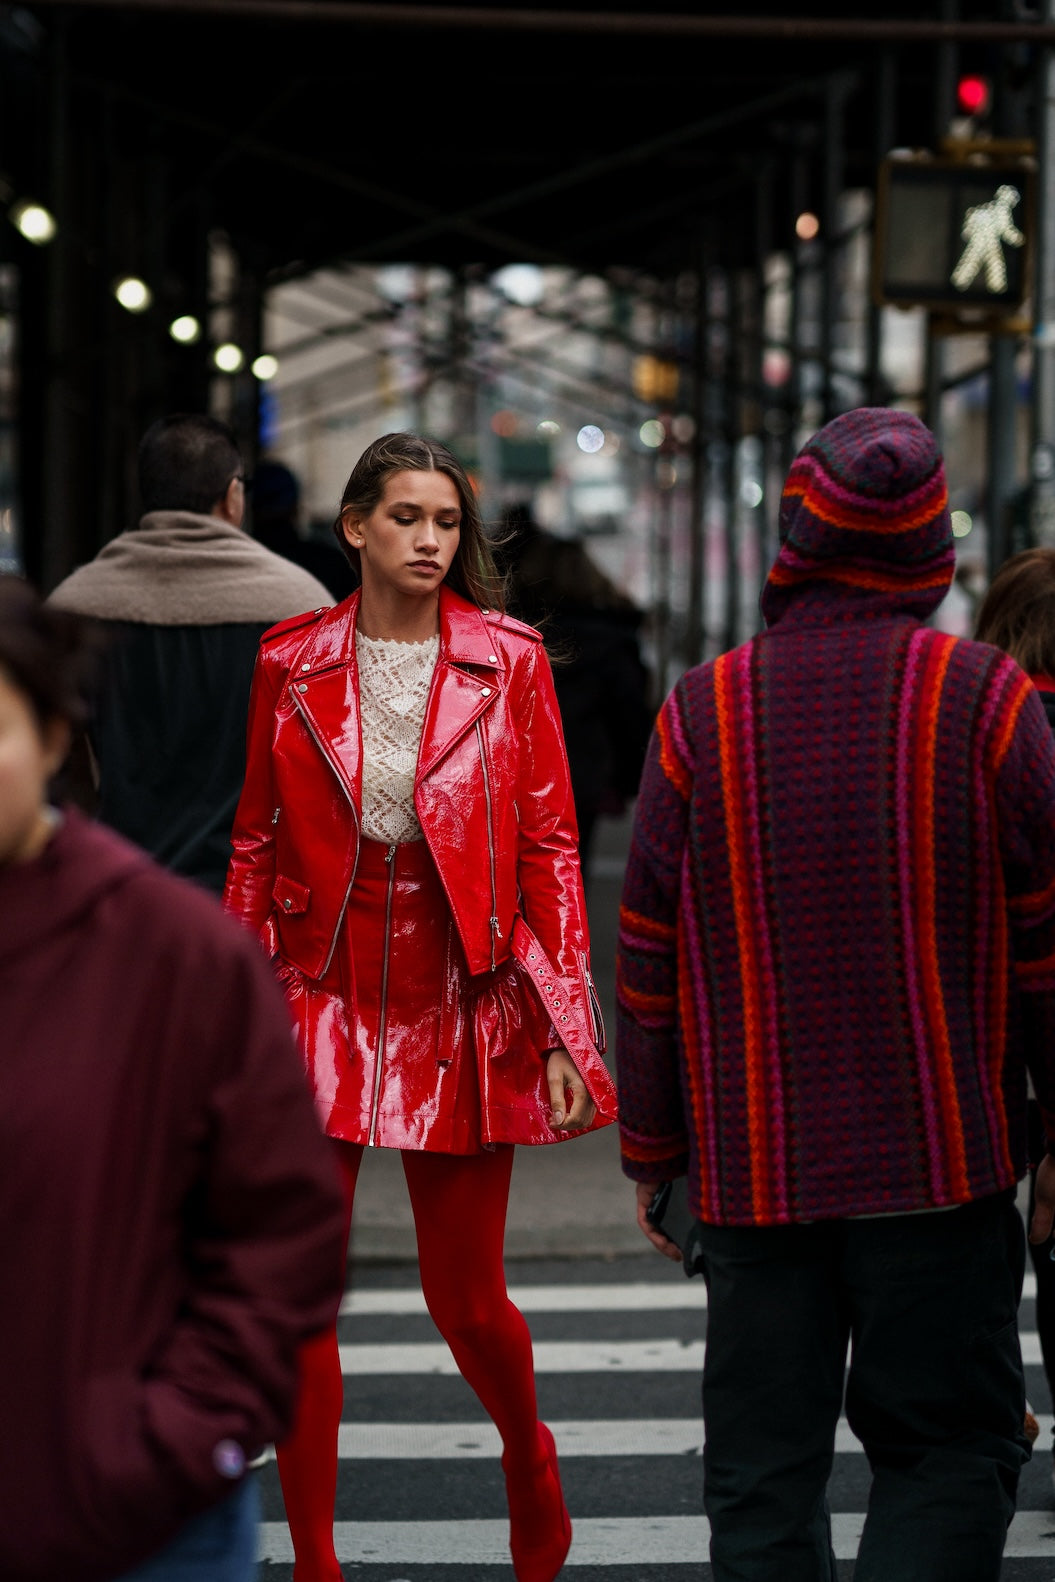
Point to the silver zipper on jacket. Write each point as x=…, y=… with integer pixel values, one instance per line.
x=383, y=1013
x=313, y=733
x=493, y=920
x=595, y=1004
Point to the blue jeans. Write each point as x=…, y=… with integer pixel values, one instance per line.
x=935, y=1392
x=218, y=1546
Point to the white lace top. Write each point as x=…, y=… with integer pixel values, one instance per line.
x=394, y=680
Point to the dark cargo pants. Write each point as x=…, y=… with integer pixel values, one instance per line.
x=927, y=1304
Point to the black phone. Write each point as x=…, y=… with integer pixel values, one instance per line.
x=670, y=1214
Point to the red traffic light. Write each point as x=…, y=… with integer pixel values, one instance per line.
x=972, y=95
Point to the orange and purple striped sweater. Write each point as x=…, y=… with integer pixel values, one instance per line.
x=837, y=936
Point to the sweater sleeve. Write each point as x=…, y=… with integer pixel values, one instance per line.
x=264, y=1232
x=1025, y=751
x=652, y=1121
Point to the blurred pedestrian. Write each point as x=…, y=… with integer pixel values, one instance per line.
x=405, y=848
x=183, y=600
x=276, y=525
x=836, y=959
x=1018, y=615
x=170, y=1217
x=593, y=633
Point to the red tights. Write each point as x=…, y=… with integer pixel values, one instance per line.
x=459, y=1205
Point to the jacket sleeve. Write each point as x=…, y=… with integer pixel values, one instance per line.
x=264, y=1232
x=548, y=869
x=652, y=1124
x=251, y=871
x=1026, y=802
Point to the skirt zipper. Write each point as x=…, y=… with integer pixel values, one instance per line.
x=371, y=1138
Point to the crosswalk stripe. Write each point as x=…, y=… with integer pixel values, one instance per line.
x=636, y=1297
x=572, y=1357
x=673, y=1436
x=598, y=1541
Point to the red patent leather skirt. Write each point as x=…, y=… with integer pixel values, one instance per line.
x=387, y=1033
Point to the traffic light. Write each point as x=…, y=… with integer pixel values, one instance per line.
x=953, y=234
x=973, y=96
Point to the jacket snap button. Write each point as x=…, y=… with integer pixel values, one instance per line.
x=492, y=659
x=305, y=667
x=287, y=903
x=564, y=1018
x=485, y=692
x=302, y=686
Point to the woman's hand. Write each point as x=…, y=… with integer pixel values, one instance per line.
x=562, y=1075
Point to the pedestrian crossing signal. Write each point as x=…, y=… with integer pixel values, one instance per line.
x=954, y=235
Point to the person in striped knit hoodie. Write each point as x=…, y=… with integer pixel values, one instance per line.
x=836, y=962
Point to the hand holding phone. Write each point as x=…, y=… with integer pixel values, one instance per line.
x=669, y=1214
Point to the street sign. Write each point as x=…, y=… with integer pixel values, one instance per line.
x=954, y=235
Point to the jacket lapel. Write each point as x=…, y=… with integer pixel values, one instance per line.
x=465, y=683
x=324, y=686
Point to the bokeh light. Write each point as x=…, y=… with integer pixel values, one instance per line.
x=807, y=226
x=265, y=366
x=652, y=433
x=228, y=357
x=961, y=523
x=590, y=438
x=36, y=223
x=505, y=423
x=186, y=329
x=521, y=283
x=133, y=294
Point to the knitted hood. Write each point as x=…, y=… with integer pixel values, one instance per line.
x=864, y=522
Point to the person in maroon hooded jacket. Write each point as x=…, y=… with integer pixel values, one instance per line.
x=171, y=1227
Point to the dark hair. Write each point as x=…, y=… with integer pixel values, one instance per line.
x=45, y=652
x=472, y=573
x=186, y=462
x=1018, y=612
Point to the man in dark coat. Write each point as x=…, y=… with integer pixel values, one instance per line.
x=183, y=600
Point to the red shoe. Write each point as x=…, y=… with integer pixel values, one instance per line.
x=539, y=1524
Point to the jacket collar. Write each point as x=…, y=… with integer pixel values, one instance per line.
x=324, y=684
x=465, y=637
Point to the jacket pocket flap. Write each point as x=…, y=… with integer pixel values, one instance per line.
x=290, y=897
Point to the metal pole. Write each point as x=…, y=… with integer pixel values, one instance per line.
x=695, y=618
x=944, y=98
x=1010, y=118
x=886, y=88
x=1042, y=459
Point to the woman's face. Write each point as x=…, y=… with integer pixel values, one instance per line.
x=29, y=757
x=408, y=541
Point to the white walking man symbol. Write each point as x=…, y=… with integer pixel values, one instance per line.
x=985, y=227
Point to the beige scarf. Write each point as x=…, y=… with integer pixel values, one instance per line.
x=181, y=569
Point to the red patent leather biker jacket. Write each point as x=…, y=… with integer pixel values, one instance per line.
x=493, y=797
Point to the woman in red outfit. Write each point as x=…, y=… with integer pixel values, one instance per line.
x=406, y=847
